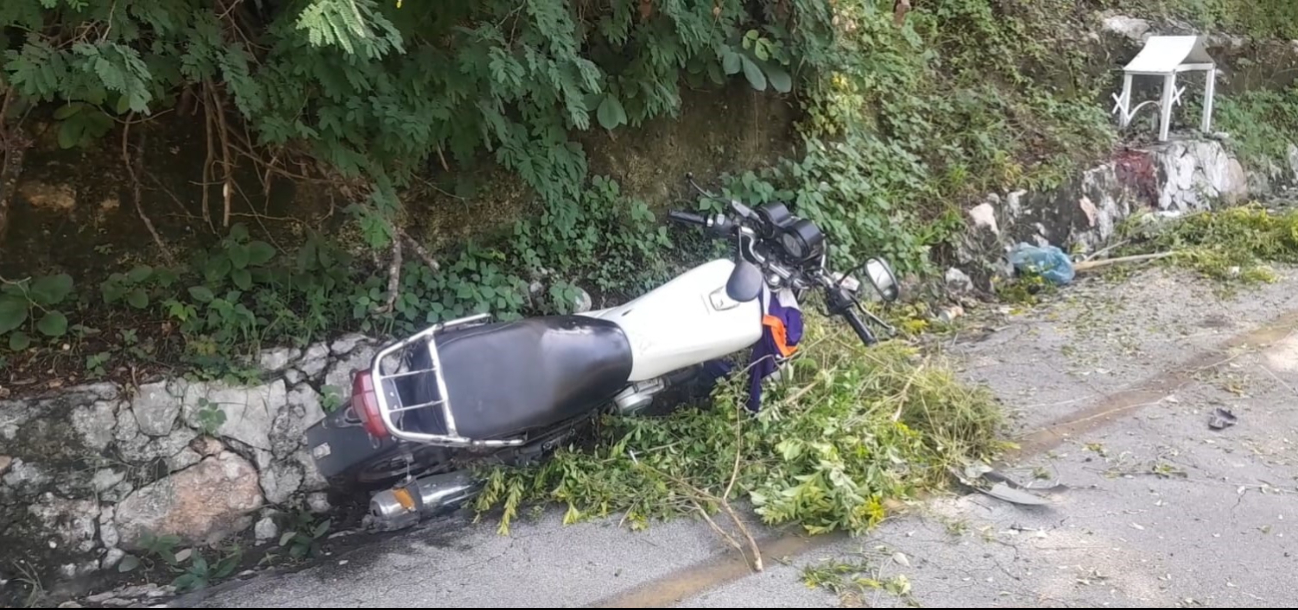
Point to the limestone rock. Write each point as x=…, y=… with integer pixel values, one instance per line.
x=155, y=409
x=200, y=505
x=249, y=411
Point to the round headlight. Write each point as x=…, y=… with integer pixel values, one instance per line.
x=792, y=245
x=802, y=240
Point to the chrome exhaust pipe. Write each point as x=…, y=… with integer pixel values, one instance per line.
x=404, y=505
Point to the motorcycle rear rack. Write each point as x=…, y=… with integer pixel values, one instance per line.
x=390, y=405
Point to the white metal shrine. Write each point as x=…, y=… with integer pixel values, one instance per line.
x=1168, y=56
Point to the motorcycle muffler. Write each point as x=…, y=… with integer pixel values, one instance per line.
x=405, y=504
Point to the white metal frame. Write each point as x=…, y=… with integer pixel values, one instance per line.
x=389, y=412
x=1167, y=57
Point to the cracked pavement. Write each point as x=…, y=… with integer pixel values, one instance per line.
x=1159, y=510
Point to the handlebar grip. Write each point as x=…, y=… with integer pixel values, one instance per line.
x=859, y=326
x=687, y=218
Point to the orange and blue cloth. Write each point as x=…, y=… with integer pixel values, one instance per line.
x=781, y=332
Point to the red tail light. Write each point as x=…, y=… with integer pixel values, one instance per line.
x=365, y=403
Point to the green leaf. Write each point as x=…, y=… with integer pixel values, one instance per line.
x=19, y=341
x=242, y=278
x=754, y=74
x=202, y=294
x=260, y=253
x=51, y=289
x=128, y=564
x=322, y=529
x=140, y=273
x=731, y=62
x=779, y=78
x=66, y=111
x=138, y=299
x=611, y=113
x=239, y=256
x=123, y=104
x=13, y=312
x=287, y=536
x=217, y=268
x=70, y=133
x=53, y=324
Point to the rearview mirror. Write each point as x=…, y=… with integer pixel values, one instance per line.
x=883, y=279
x=745, y=283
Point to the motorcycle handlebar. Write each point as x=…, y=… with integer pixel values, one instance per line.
x=859, y=326
x=687, y=218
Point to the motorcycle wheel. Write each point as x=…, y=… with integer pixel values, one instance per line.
x=390, y=467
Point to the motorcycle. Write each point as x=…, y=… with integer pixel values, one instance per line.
x=471, y=390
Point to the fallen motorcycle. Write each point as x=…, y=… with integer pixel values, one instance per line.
x=470, y=390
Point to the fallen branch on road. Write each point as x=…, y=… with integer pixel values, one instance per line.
x=1106, y=262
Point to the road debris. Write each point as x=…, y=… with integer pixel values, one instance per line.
x=986, y=480
x=1048, y=262
x=1222, y=419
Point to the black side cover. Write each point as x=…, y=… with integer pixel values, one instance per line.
x=510, y=377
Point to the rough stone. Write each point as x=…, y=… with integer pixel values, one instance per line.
x=1088, y=208
x=278, y=358
x=306, y=398
x=314, y=360
x=957, y=282
x=318, y=502
x=128, y=429
x=207, y=446
x=294, y=376
x=5, y=461
x=126, y=596
x=143, y=449
x=155, y=409
x=186, y=458
x=108, y=534
x=106, y=479
x=287, y=435
x=312, y=480
x=984, y=217
x=103, y=390
x=280, y=481
x=74, y=523
x=111, y=559
x=1235, y=188
x=200, y=505
x=582, y=303
x=95, y=423
x=265, y=530
x=249, y=411
x=1130, y=27
x=340, y=374
x=345, y=344
x=23, y=476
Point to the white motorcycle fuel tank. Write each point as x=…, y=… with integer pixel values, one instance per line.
x=686, y=321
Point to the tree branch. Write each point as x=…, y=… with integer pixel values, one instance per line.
x=394, y=277
x=135, y=186
x=420, y=251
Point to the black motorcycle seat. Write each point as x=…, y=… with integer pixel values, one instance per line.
x=510, y=377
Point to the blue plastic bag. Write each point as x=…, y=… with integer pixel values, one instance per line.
x=1049, y=262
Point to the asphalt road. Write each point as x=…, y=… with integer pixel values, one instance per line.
x=1113, y=386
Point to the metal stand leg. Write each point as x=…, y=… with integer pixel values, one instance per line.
x=1209, y=93
x=1169, y=91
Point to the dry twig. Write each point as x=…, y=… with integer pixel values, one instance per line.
x=135, y=186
